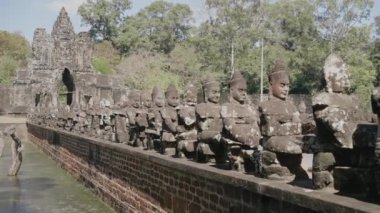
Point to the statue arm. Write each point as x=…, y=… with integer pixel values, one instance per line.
x=168, y=121
x=170, y=124
x=238, y=133
x=131, y=118
x=188, y=116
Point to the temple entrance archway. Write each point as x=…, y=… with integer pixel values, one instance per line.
x=66, y=88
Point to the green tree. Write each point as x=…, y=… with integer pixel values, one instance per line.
x=105, y=57
x=375, y=58
x=14, y=50
x=288, y=31
x=304, y=48
x=354, y=50
x=336, y=17
x=375, y=52
x=143, y=70
x=377, y=25
x=14, y=45
x=156, y=28
x=8, y=67
x=228, y=33
x=104, y=16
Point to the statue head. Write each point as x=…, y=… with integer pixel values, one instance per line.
x=190, y=95
x=302, y=107
x=134, y=98
x=238, y=88
x=279, y=81
x=146, y=98
x=172, y=96
x=211, y=90
x=336, y=74
x=158, y=97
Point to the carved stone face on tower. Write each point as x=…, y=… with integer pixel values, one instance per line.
x=211, y=90
x=336, y=74
x=279, y=81
x=172, y=96
x=158, y=97
x=238, y=88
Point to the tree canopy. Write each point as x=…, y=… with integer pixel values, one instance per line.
x=104, y=16
x=156, y=28
x=14, y=50
x=301, y=32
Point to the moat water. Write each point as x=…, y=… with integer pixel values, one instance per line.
x=41, y=186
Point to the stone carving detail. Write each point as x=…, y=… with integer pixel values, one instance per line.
x=187, y=132
x=64, y=39
x=209, y=123
x=281, y=130
x=344, y=144
x=132, y=113
x=83, y=51
x=170, y=119
x=42, y=47
x=154, y=129
x=142, y=119
x=241, y=133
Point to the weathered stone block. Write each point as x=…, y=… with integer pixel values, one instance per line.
x=275, y=169
x=322, y=179
x=268, y=158
x=323, y=161
x=283, y=144
x=365, y=135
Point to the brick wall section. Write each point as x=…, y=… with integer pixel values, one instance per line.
x=132, y=180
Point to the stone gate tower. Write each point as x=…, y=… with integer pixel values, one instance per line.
x=59, y=73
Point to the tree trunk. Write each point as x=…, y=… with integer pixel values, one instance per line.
x=16, y=156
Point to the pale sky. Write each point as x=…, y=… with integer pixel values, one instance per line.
x=24, y=16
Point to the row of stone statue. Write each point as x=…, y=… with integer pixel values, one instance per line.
x=266, y=140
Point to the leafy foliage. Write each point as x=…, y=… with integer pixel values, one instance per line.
x=14, y=45
x=8, y=66
x=159, y=45
x=375, y=58
x=105, y=57
x=156, y=28
x=14, y=50
x=144, y=70
x=104, y=16
x=336, y=17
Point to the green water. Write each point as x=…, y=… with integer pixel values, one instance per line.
x=41, y=186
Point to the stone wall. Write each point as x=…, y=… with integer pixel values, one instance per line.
x=132, y=180
x=4, y=100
